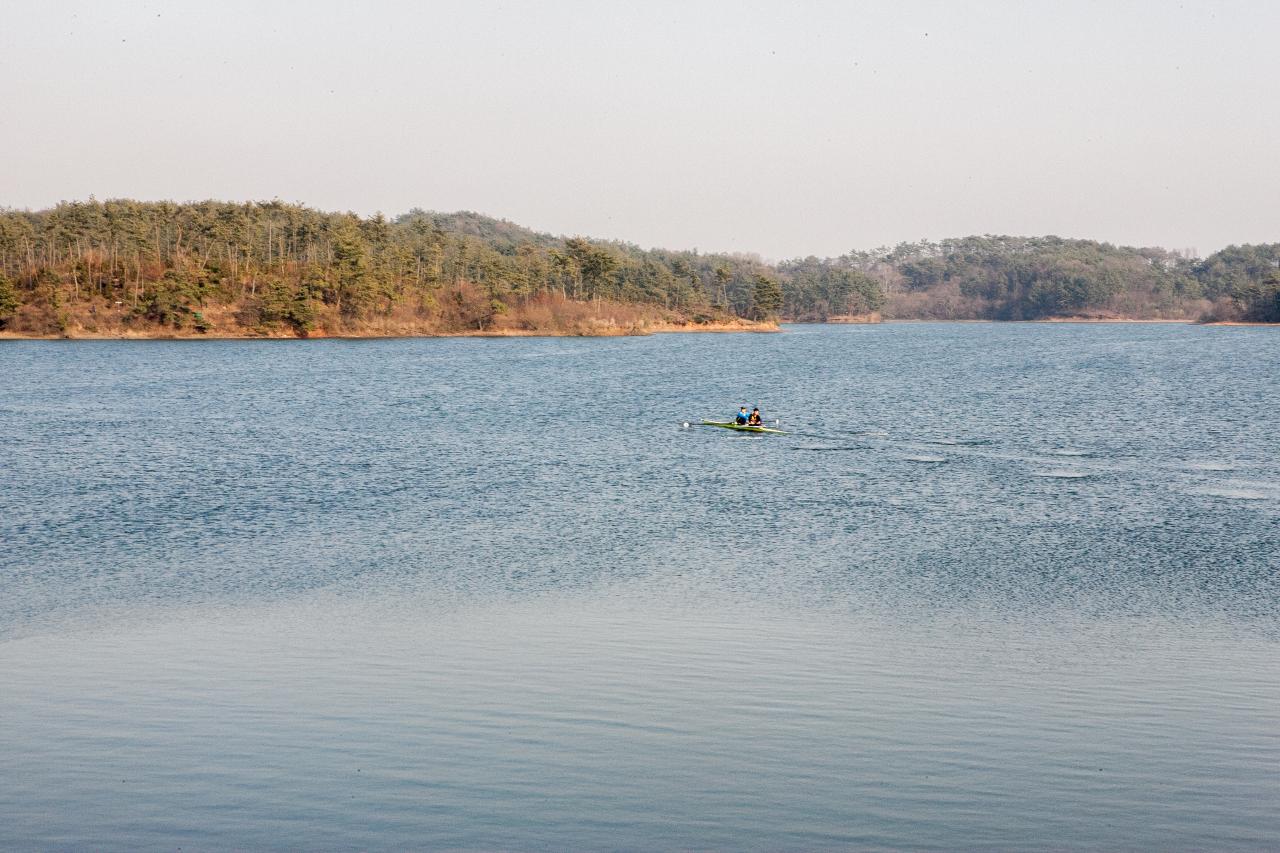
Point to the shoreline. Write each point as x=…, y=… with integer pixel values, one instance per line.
x=745, y=327
x=1048, y=320
x=1094, y=321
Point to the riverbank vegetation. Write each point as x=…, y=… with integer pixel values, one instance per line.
x=128, y=268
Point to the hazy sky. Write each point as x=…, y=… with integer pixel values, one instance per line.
x=782, y=128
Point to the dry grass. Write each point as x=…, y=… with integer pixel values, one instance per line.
x=462, y=311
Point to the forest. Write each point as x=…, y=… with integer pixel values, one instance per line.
x=146, y=269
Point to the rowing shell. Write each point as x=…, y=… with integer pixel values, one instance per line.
x=742, y=427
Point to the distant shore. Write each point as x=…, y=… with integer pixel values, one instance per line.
x=601, y=331
x=1053, y=320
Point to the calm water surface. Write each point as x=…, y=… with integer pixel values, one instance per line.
x=1005, y=586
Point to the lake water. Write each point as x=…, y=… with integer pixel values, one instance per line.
x=1005, y=586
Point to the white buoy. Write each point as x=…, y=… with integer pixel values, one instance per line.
x=686, y=424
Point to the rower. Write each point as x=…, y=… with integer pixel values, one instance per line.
x=755, y=420
x=742, y=417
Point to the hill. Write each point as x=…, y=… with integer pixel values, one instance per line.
x=130, y=268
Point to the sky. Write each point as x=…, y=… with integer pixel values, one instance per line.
x=785, y=129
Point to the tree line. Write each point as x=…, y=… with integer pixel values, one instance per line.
x=264, y=265
x=1030, y=278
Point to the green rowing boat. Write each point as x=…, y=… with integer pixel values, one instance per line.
x=742, y=427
